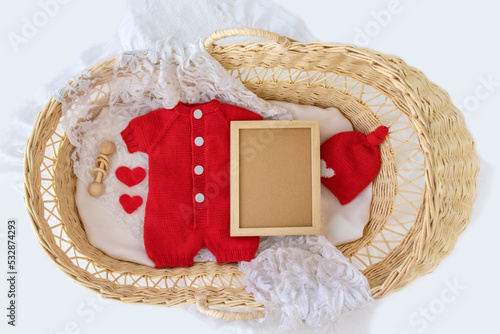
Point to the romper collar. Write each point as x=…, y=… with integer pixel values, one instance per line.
x=206, y=107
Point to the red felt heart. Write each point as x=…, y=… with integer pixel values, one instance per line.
x=130, y=177
x=130, y=204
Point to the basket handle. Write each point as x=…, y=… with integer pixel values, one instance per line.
x=283, y=41
x=202, y=304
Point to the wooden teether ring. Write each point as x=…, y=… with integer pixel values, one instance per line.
x=99, y=173
x=102, y=158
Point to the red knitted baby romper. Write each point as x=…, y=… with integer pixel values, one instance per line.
x=188, y=200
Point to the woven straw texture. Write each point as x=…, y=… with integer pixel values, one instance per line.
x=422, y=198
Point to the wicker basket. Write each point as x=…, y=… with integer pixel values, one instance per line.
x=422, y=198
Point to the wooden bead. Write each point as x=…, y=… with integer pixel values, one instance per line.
x=107, y=147
x=96, y=189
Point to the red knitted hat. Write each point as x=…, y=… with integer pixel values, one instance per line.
x=350, y=162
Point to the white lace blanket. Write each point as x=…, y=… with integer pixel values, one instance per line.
x=304, y=282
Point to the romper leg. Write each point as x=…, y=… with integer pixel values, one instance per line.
x=230, y=249
x=169, y=246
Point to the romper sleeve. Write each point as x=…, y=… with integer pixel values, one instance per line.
x=142, y=133
x=235, y=113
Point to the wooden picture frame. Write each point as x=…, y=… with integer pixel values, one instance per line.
x=275, y=178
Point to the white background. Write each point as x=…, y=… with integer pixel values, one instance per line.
x=454, y=42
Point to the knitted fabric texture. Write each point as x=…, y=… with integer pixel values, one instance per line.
x=354, y=159
x=188, y=199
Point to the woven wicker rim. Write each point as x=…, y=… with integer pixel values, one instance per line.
x=450, y=170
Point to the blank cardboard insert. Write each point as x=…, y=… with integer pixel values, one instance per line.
x=275, y=178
